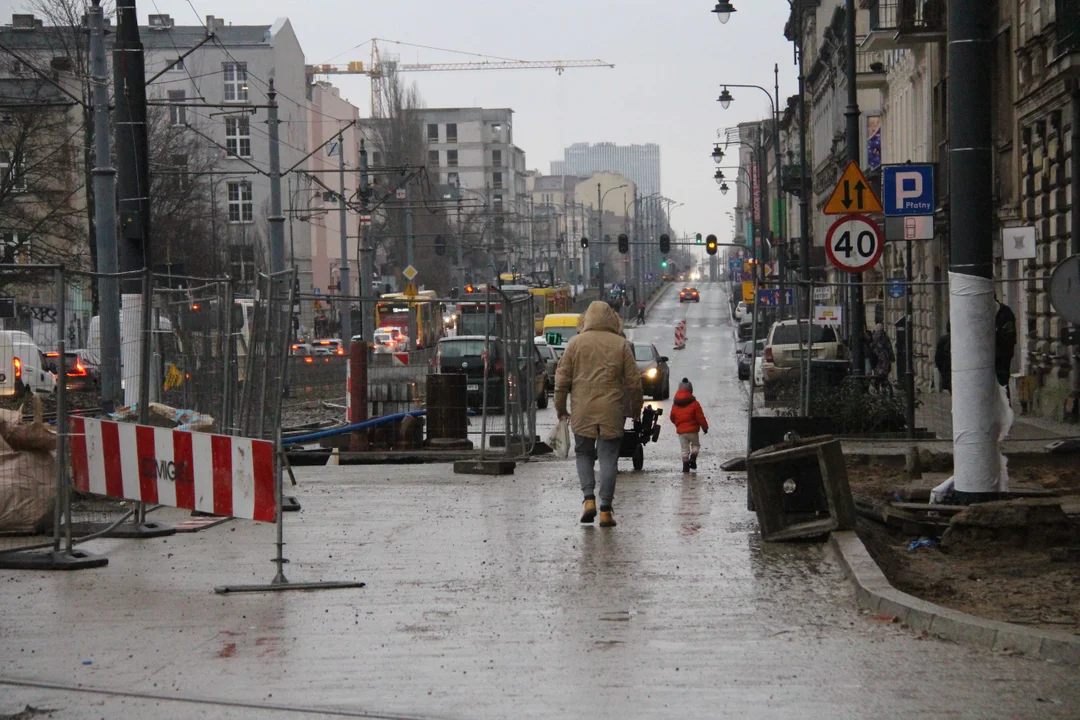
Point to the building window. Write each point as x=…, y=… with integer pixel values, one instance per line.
x=177, y=65
x=242, y=262
x=496, y=128
x=451, y=158
x=433, y=157
x=452, y=179
x=496, y=180
x=238, y=137
x=13, y=248
x=12, y=175
x=496, y=158
x=451, y=132
x=177, y=113
x=178, y=172
x=236, y=85
x=433, y=132
x=241, y=207
x=376, y=157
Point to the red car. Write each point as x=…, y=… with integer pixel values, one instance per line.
x=689, y=294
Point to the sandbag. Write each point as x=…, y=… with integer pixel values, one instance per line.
x=33, y=436
x=27, y=491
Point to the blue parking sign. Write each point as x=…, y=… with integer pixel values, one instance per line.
x=907, y=189
x=896, y=287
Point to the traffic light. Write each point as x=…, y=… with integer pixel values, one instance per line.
x=699, y=238
x=440, y=245
x=663, y=263
x=665, y=244
x=710, y=244
x=624, y=243
x=584, y=243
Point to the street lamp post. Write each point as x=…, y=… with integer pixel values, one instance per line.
x=600, y=226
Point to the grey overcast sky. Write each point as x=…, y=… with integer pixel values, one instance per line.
x=670, y=59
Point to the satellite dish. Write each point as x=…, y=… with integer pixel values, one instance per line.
x=1065, y=288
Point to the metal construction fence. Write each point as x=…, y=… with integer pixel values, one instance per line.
x=898, y=400
x=200, y=359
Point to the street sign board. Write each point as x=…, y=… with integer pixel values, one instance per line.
x=854, y=244
x=332, y=148
x=908, y=189
x=410, y=273
x=1065, y=288
x=1018, y=243
x=770, y=297
x=909, y=227
x=823, y=293
x=399, y=193
x=896, y=288
x=828, y=314
x=748, y=291
x=852, y=194
x=365, y=219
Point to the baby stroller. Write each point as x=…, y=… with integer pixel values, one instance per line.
x=645, y=431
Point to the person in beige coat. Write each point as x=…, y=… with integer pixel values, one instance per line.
x=596, y=372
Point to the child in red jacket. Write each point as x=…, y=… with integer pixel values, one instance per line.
x=689, y=418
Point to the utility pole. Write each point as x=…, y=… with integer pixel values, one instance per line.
x=346, y=288
x=408, y=222
x=976, y=394
x=460, y=247
x=600, y=239
x=133, y=181
x=105, y=218
x=781, y=219
x=851, y=115
x=367, y=260
x=276, y=220
x=763, y=182
x=804, y=185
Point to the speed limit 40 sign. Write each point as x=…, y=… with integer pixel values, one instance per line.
x=854, y=243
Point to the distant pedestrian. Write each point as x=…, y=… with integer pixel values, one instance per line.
x=943, y=359
x=689, y=420
x=881, y=356
x=641, y=313
x=595, y=373
x=1004, y=343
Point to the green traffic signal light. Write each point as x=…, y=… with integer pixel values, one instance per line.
x=663, y=263
x=699, y=238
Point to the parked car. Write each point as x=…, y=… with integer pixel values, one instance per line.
x=783, y=355
x=23, y=366
x=550, y=361
x=743, y=356
x=741, y=311
x=80, y=372
x=689, y=294
x=655, y=374
x=465, y=354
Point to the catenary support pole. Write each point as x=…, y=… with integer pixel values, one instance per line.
x=977, y=398
x=105, y=218
x=1074, y=233
x=367, y=259
x=276, y=220
x=409, y=258
x=600, y=239
x=851, y=116
x=346, y=286
x=804, y=178
x=781, y=217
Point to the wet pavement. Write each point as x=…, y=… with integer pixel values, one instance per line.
x=486, y=599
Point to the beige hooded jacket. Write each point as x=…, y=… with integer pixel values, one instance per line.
x=595, y=371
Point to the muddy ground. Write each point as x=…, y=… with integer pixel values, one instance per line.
x=996, y=579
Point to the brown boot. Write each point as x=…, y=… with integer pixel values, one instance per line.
x=588, y=510
x=607, y=519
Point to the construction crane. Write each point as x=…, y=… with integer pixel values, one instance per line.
x=378, y=68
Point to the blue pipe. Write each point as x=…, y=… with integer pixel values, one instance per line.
x=350, y=428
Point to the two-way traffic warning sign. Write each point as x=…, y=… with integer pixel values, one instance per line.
x=853, y=194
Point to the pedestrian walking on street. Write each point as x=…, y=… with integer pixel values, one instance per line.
x=689, y=420
x=943, y=359
x=641, y=313
x=881, y=356
x=595, y=373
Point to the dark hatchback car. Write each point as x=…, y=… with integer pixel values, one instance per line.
x=655, y=374
x=744, y=357
x=81, y=373
x=465, y=355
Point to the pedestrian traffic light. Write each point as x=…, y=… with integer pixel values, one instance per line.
x=699, y=238
x=624, y=243
x=710, y=244
x=584, y=243
x=665, y=244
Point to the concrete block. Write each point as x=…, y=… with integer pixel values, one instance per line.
x=1017, y=639
x=1065, y=651
x=963, y=628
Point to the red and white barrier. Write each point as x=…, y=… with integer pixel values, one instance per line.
x=219, y=474
x=680, y=335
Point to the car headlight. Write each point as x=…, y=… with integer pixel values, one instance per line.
x=651, y=373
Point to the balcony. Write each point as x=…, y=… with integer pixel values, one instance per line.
x=791, y=179
x=869, y=69
x=905, y=23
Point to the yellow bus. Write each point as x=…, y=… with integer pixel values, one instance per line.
x=392, y=310
x=558, y=328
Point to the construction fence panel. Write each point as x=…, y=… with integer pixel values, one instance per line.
x=265, y=364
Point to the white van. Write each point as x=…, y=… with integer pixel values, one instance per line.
x=22, y=365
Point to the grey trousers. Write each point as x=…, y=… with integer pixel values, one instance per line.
x=586, y=450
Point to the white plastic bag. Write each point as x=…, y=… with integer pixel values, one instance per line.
x=559, y=440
